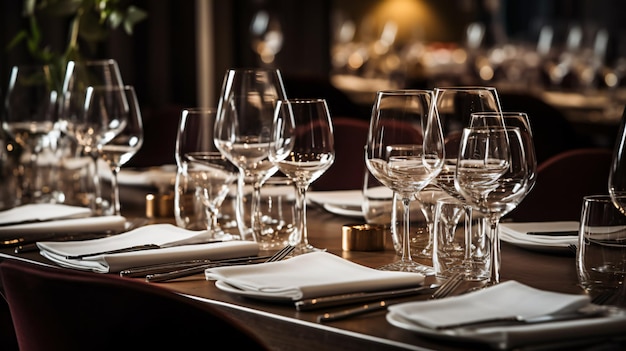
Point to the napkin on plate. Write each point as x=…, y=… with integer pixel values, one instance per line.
x=158, y=234
x=311, y=275
x=516, y=233
x=506, y=299
x=54, y=218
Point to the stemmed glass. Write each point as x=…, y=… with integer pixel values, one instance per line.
x=79, y=75
x=492, y=176
x=245, y=114
x=404, y=166
x=127, y=142
x=29, y=118
x=303, y=149
x=617, y=173
x=454, y=106
x=208, y=170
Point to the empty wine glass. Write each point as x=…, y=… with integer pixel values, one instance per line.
x=617, y=173
x=303, y=149
x=404, y=165
x=29, y=118
x=210, y=172
x=492, y=175
x=79, y=75
x=245, y=114
x=454, y=106
x=126, y=143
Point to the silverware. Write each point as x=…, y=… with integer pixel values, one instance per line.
x=137, y=248
x=603, y=297
x=160, y=277
x=449, y=286
x=512, y=320
x=556, y=233
x=142, y=271
x=344, y=299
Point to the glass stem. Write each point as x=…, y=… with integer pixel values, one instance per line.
x=239, y=213
x=116, y=191
x=301, y=237
x=494, y=270
x=255, y=213
x=97, y=200
x=406, y=244
x=468, y=235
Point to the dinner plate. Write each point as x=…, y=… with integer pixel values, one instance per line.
x=515, y=233
x=344, y=210
x=251, y=294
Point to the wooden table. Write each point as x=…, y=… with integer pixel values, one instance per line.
x=284, y=328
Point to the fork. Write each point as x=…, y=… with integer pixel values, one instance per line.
x=160, y=277
x=603, y=298
x=449, y=286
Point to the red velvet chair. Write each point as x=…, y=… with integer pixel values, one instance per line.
x=562, y=182
x=59, y=309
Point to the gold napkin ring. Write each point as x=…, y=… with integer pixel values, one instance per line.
x=363, y=237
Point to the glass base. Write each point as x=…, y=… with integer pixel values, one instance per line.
x=306, y=248
x=408, y=266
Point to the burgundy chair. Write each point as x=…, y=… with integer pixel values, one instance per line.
x=59, y=309
x=562, y=182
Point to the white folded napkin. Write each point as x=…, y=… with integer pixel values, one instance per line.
x=311, y=275
x=339, y=197
x=41, y=212
x=516, y=233
x=153, y=176
x=158, y=234
x=54, y=218
x=506, y=299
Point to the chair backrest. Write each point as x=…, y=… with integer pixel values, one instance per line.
x=347, y=171
x=61, y=309
x=562, y=182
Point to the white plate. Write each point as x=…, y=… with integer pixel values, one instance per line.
x=486, y=335
x=251, y=294
x=346, y=211
x=515, y=233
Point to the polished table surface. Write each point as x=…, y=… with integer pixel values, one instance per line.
x=285, y=328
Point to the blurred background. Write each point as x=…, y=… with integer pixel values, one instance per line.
x=562, y=61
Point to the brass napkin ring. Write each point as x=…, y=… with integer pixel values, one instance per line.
x=363, y=237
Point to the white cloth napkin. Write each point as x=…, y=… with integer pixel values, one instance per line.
x=159, y=234
x=42, y=212
x=515, y=233
x=506, y=299
x=338, y=198
x=311, y=275
x=153, y=176
x=55, y=218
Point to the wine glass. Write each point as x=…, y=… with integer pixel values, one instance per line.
x=454, y=106
x=245, y=114
x=210, y=172
x=405, y=166
x=126, y=143
x=512, y=119
x=79, y=75
x=303, y=149
x=29, y=118
x=492, y=176
x=617, y=173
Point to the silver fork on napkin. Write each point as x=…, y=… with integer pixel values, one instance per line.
x=159, y=277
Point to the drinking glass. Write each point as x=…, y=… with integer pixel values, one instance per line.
x=303, y=149
x=404, y=165
x=245, y=114
x=454, y=106
x=208, y=170
x=617, y=173
x=29, y=118
x=79, y=75
x=492, y=175
x=127, y=142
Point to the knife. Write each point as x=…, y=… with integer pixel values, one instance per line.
x=137, y=248
x=556, y=233
x=343, y=299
